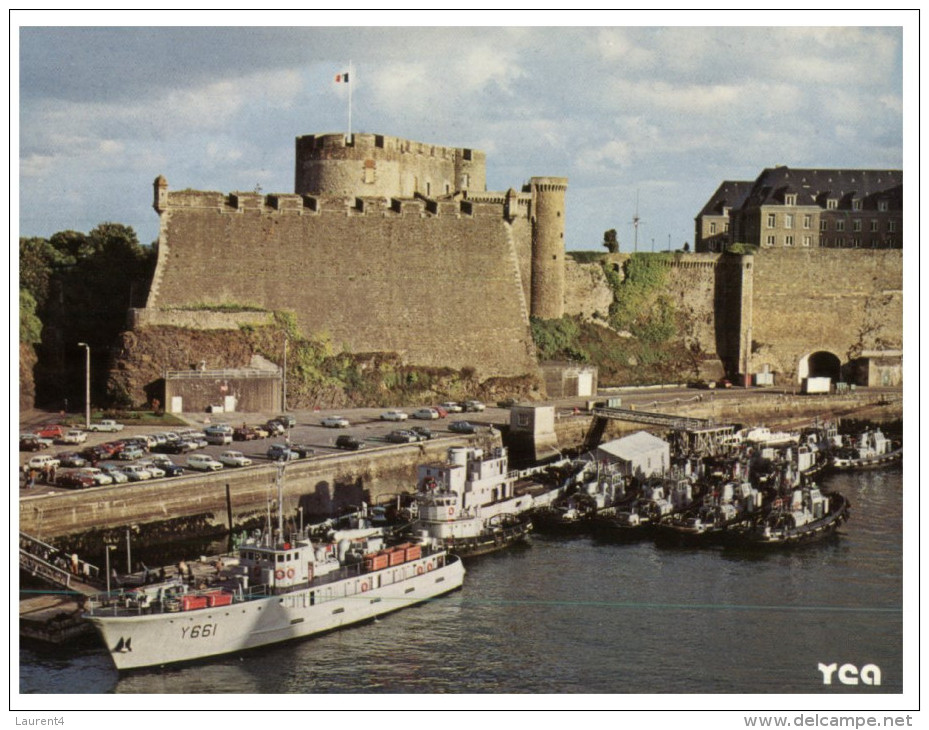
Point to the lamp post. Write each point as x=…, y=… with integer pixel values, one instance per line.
x=109, y=546
x=86, y=384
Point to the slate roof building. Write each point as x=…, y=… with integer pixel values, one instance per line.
x=806, y=208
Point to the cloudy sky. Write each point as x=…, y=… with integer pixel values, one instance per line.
x=665, y=113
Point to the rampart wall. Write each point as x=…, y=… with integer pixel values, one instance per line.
x=841, y=301
x=438, y=282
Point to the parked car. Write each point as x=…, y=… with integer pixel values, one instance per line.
x=74, y=436
x=394, y=416
x=275, y=428
x=115, y=474
x=234, y=458
x=288, y=420
x=402, y=436
x=29, y=443
x=131, y=453
x=43, y=462
x=423, y=433
x=156, y=471
x=507, y=403
x=302, y=450
x=335, y=422
x=452, y=407
x=426, y=413
x=203, y=462
x=217, y=437
x=349, y=442
x=136, y=473
x=443, y=413
x=74, y=480
x=281, y=452
x=71, y=460
x=462, y=427
x=169, y=467
x=244, y=433
x=473, y=406
x=106, y=425
x=101, y=479
x=50, y=431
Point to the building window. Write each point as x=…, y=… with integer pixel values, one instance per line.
x=788, y=220
x=892, y=226
x=856, y=242
x=807, y=240
x=839, y=242
x=856, y=205
x=712, y=228
x=769, y=241
x=726, y=226
x=807, y=221
x=790, y=199
x=770, y=220
x=369, y=171
x=832, y=204
x=856, y=225
x=788, y=240
x=840, y=225
x=874, y=225
x=822, y=224
x=882, y=206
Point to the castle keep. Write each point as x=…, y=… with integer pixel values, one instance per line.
x=385, y=245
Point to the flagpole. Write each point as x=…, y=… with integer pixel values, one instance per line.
x=351, y=83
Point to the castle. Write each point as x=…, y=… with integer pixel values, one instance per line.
x=391, y=245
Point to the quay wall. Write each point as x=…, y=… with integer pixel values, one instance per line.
x=230, y=499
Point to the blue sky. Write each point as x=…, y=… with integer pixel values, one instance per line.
x=621, y=105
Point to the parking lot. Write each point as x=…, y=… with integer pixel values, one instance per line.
x=308, y=432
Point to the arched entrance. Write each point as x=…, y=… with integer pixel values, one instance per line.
x=820, y=364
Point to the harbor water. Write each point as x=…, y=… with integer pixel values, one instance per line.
x=578, y=615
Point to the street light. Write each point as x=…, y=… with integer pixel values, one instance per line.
x=109, y=546
x=86, y=384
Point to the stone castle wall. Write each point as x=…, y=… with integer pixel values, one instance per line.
x=440, y=283
x=841, y=301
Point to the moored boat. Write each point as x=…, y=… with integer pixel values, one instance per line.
x=596, y=487
x=725, y=507
x=467, y=504
x=658, y=499
x=870, y=449
x=804, y=516
x=274, y=589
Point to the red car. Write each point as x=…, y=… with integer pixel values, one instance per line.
x=73, y=480
x=50, y=431
x=441, y=411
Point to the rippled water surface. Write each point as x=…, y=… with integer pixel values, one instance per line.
x=574, y=615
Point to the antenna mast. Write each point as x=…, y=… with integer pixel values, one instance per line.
x=635, y=223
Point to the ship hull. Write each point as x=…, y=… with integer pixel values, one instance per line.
x=168, y=638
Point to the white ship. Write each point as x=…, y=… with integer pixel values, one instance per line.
x=468, y=503
x=274, y=590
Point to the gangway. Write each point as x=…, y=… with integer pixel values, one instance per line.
x=49, y=564
x=693, y=435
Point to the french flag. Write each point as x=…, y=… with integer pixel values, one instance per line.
x=341, y=78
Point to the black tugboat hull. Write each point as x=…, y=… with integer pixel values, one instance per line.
x=811, y=532
x=489, y=541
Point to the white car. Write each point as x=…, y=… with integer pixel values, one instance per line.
x=426, y=413
x=452, y=407
x=136, y=473
x=203, y=462
x=43, y=462
x=100, y=479
x=115, y=474
x=234, y=458
x=156, y=471
x=335, y=422
x=74, y=436
x=394, y=416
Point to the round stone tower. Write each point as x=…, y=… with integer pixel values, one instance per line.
x=548, y=209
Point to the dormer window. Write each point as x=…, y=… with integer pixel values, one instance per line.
x=790, y=199
x=882, y=206
x=832, y=204
x=856, y=205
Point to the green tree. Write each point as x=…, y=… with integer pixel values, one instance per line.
x=610, y=241
x=30, y=326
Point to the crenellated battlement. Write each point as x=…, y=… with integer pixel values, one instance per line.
x=465, y=206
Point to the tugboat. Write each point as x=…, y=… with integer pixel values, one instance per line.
x=870, y=449
x=595, y=487
x=468, y=504
x=659, y=499
x=275, y=589
x=805, y=515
